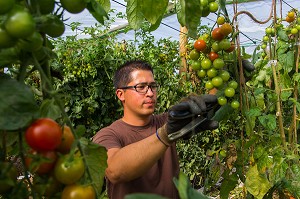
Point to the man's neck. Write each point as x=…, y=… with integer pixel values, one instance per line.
x=137, y=121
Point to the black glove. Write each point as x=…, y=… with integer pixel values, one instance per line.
x=190, y=116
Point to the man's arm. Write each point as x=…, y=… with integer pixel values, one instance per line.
x=132, y=161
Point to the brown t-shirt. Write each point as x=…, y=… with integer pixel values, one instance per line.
x=159, y=179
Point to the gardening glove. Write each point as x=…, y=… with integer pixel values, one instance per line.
x=190, y=116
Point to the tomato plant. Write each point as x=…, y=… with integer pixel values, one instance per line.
x=8, y=177
x=33, y=43
x=77, y=191
x=43, y=134
x=69, y=169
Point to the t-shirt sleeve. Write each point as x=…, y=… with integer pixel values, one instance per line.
x=106, y=137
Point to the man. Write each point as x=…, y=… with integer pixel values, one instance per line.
x=141, y=150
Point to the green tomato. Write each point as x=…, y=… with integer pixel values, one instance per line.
x=233, y=84
x=206, y=63
x=217, y=81
x=19, y=23
x=213, y=6
x=225, y=44
x=222, y=100
x=196, y=65
x=225, y=75
x=69, y=169
x=209, y=85
x=194, y=54
x=201, y=73
x=74, y=6
x=215, y=46
x=229, y=92
x=6, y=40
x=212, y=72
x=218, y=63
x=32, y=43
x=235, y=104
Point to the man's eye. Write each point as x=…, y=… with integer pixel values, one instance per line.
x=141, y=87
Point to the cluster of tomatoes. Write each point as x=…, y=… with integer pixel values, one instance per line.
x=207, y=60
x=292, y=29
x=50, y=156
x=25, y=24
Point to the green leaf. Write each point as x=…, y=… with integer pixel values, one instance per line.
x=282, y=34
x=134, y=14
x=180, y=9
x=223, y=113
x=193, y=15
x=156, y=25
x=96, y=159
x=17, y=104
x=50, y=109
x=105, y=4
x=98, y=12
x=153, y=9
x=222, y=4
x=144, y=196
x=268, y=121
x=185, y=189
x=228, y=184
x=257, y=184
x=287, y=61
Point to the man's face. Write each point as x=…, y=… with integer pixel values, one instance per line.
x=135, y=103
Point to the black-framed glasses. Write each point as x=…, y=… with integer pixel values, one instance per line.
x=143, y=87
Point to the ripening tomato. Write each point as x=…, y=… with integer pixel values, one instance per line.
x=216, y=34
x=43, y=134
x=66, y=140
x=41, y=162
x=77, y=191
x=226, y=29
x=200, y=45
x=69, y=169
x=213, y=55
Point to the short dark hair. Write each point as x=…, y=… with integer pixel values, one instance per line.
x=122, y=76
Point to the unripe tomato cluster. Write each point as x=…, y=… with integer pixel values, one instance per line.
x=292, y=30
x=25, y=25
x=50, y=156
x=207, y=60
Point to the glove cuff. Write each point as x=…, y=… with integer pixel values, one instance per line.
x=162, y=136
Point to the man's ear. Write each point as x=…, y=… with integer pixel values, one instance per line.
x=120, y=94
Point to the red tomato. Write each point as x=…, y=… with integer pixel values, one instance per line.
x=43, y=135
x=200, y=45
x=213, y=55
x=41, y=162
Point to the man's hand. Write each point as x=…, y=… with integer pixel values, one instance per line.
x=190, y=116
